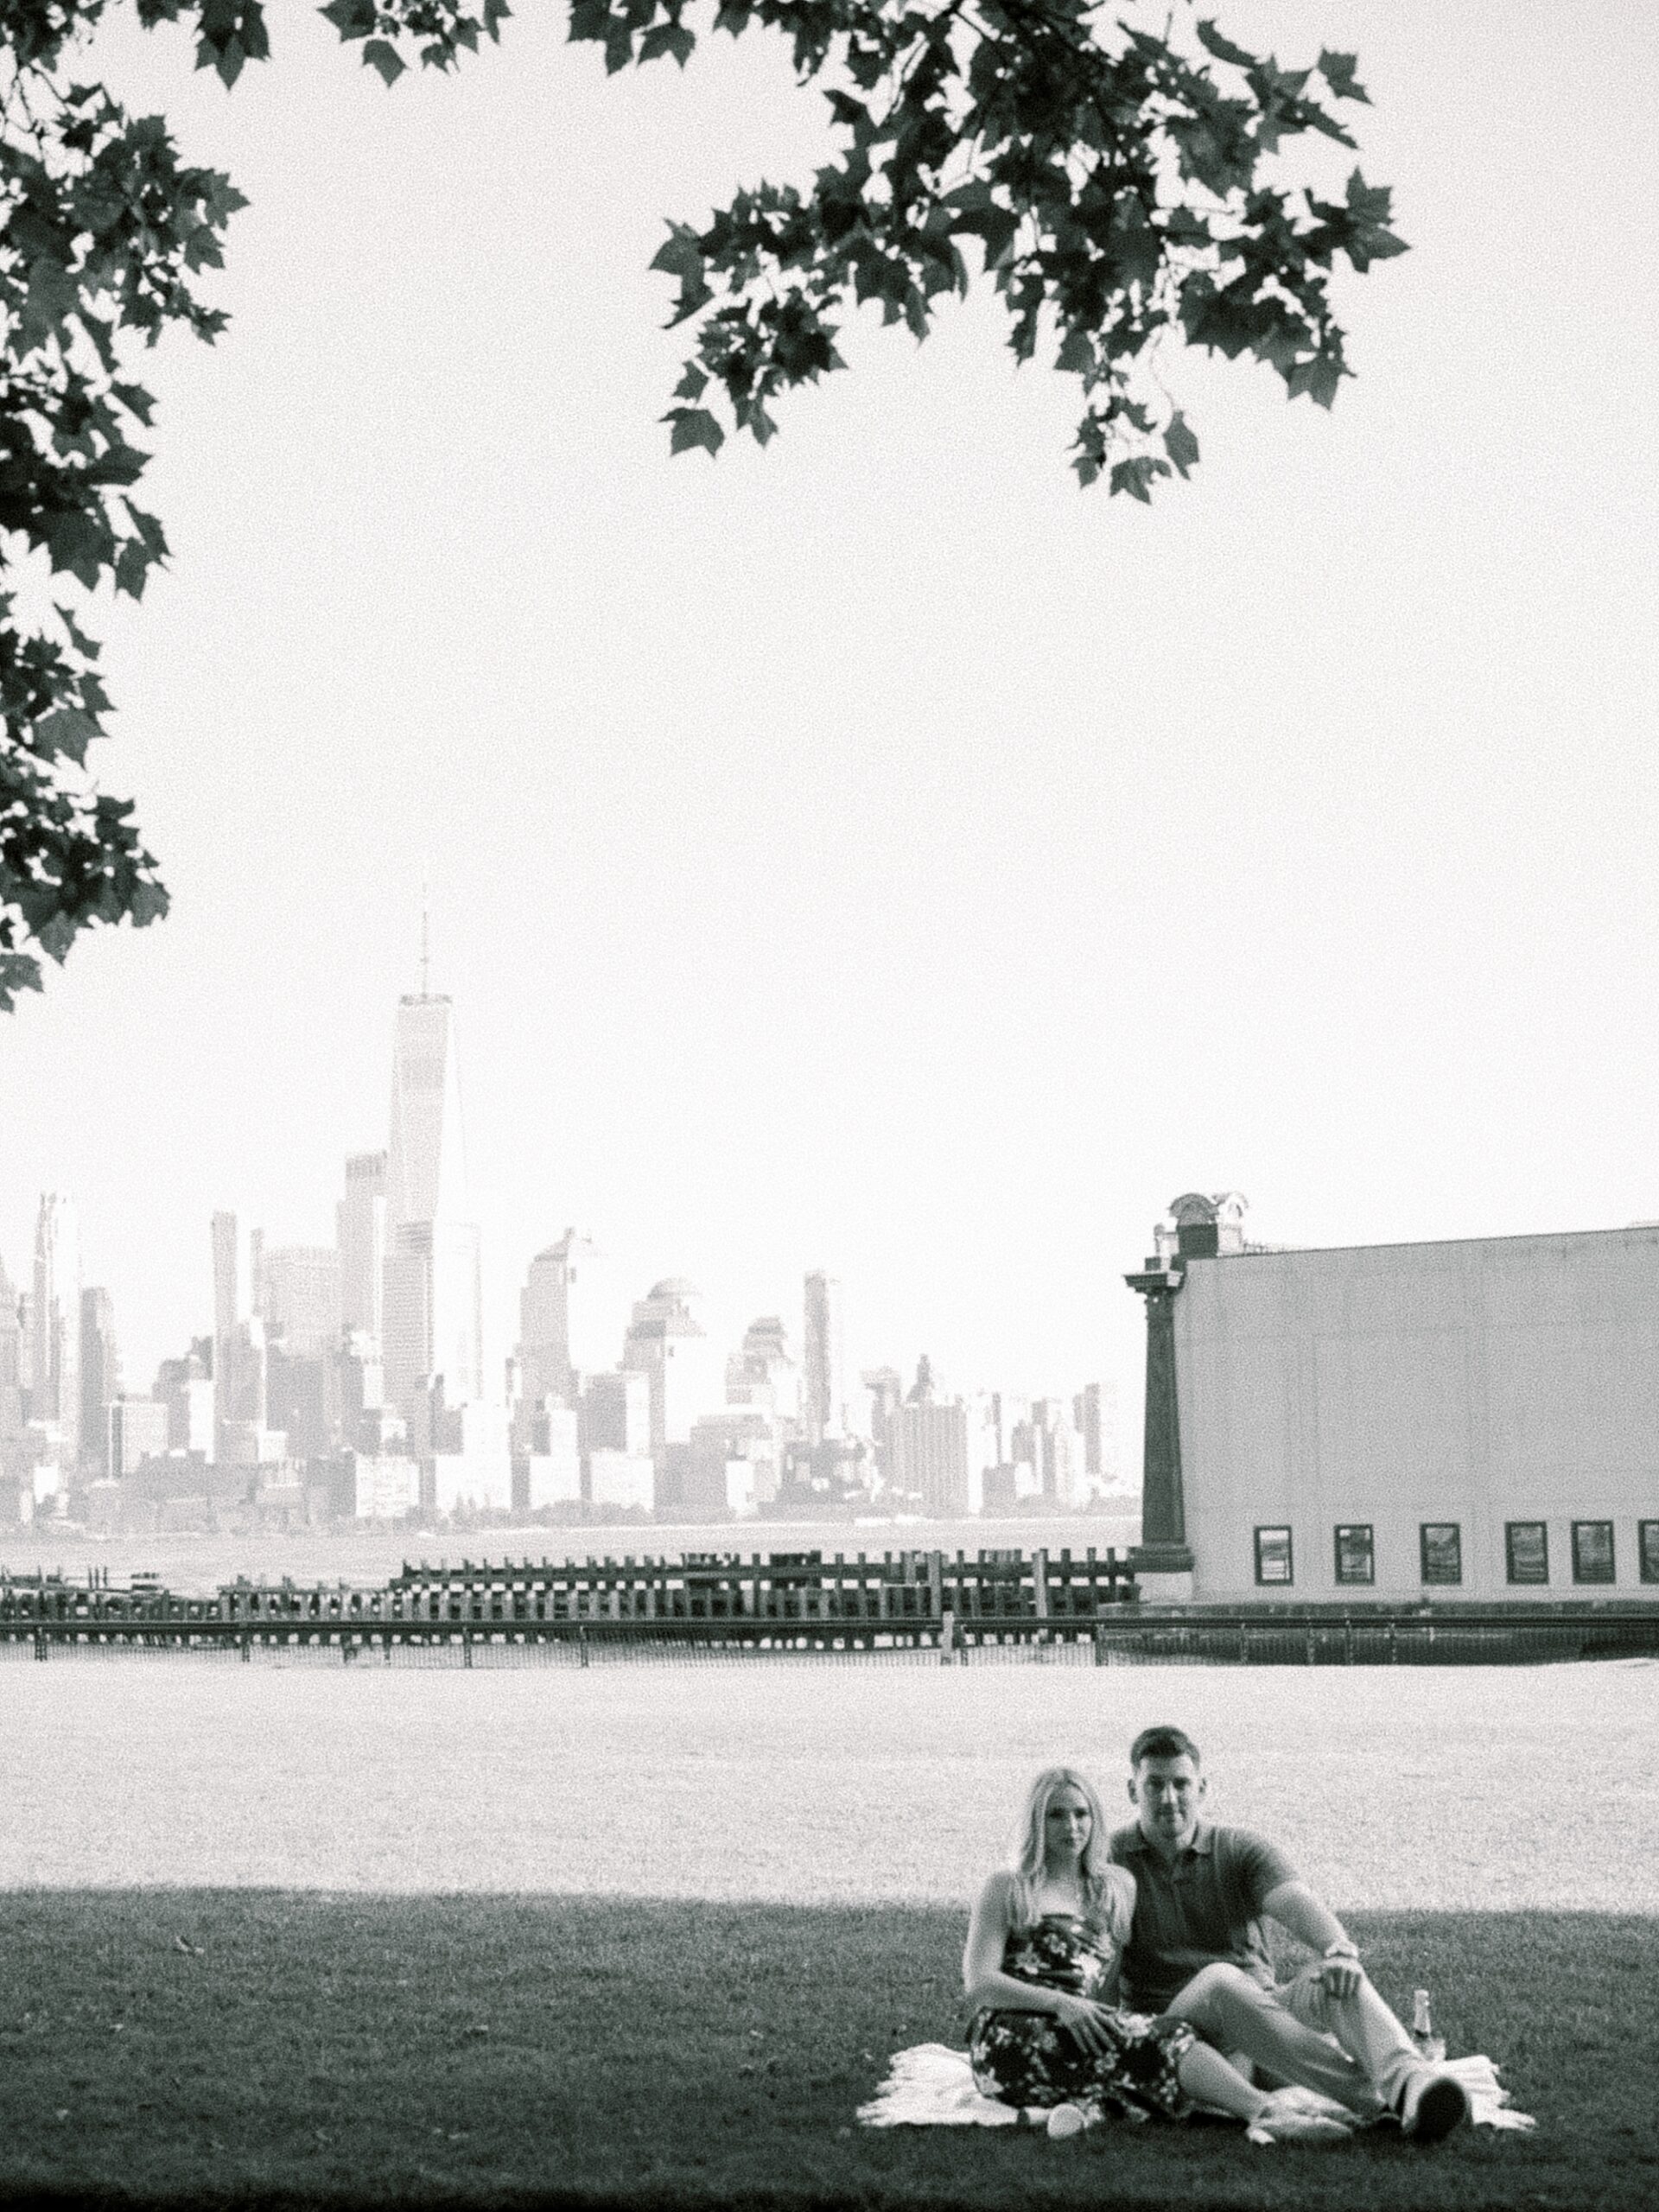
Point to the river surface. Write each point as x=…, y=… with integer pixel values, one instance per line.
x=197, y=1564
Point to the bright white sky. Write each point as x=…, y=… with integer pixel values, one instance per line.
x=874, y=853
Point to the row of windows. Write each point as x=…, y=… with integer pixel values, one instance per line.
x=1526, y=1552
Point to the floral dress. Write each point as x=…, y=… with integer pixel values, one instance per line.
x=1029, y=2058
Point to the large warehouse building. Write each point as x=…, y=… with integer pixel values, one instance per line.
x=1478, y=1417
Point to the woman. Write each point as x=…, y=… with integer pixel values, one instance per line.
x=1041, y=1971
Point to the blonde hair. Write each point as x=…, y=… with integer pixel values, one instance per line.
x=1108, y=1891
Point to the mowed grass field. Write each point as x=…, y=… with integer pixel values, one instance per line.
x=648, y=1935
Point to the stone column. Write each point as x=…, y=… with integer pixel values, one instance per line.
x=1162, y=1562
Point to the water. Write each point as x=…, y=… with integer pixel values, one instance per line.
x=196, y=1565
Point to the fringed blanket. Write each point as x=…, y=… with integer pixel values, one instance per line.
x=931, y=2085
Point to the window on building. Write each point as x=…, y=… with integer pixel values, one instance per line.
x=1442, y=1549
x=1526, y=1550
x=1272, y=1555
x=1646, y=1549
x=1592, y=1551
x=1356, y=1558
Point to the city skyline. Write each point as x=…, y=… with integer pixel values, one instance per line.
x=292, y=1409
x=872, y=854
x=393, y=1208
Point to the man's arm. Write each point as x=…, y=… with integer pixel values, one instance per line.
x=1294, y=1906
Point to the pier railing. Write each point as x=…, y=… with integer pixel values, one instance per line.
x=1063, y=1604
x=908, y=1598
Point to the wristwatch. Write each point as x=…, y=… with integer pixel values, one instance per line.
x=1343, y=1948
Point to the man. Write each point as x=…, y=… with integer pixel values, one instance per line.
x=1196, y=1949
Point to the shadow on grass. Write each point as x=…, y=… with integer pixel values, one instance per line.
x=268, y=2048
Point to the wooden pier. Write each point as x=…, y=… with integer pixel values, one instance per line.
x=781, y=1600
x=707, y=1603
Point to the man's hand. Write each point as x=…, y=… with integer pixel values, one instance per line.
x=1085, y=2019
x=1341, y=1974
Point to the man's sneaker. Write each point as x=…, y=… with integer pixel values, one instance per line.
x=1432, y=2104
x=1284, y=2119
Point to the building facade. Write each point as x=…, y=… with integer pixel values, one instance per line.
x=824, y=1385
x=55, y=1325
x=558, y=1320
x=361, y=1235
x=927, y=1456
x=299, y=1298
x=101, y=1379
x=432, y=1316
x=1477, y=1419
x=684, y=1373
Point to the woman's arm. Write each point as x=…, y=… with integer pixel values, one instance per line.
x=984, y=1982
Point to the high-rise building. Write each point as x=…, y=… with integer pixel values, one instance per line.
x=825, y=1388
x=135, y=1430
x=54, y=1360
x=185, y=1387
x=668, y=1345
x=299, y=1292
x=736, y=1462
x=231, y=1286
x=234, y=1388
x=432, y=1322
x=615, y=1414
x=301, y=1399
x=551, y=1471
x=763, y=1373
x=100, y=1378
x=558, y=1338
x=1094, y=1414
x=11, y=1360
x=927, y=1456
x=360, y=1232
x=241, y=1375
x=887, y=1389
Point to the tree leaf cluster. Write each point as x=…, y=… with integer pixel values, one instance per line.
x=1120, y=187
x=103, y=233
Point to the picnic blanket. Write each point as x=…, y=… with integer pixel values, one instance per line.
x=932, y=2086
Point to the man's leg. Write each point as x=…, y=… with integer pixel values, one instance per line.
x=1362, y=2023
x=1237, y=2014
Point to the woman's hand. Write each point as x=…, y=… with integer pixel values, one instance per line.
x=1084, y=2019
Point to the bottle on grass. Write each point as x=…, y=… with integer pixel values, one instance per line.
x=1432, y=2046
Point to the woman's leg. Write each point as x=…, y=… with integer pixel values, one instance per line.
x=1209, y=2080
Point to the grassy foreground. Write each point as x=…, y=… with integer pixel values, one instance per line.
x=280, y=2049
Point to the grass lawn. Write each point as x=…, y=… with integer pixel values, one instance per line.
x=476, y=2050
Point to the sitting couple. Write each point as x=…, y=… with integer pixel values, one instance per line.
x=1172, y=1907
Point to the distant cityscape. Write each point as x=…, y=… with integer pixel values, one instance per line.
x=348, y=1382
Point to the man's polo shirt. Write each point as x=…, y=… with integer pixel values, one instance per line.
x=1202, y=1907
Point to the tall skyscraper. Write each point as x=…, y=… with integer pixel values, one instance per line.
x=300, y=1296
x=360, y=1232
x=928, y=1458
x=763, y=1373
x=823, y=1392
x=666, y=1342
x=238, y=1340
x=431, y=1315
x=55, y=1365
x=100, y=1378
x=558, y=1338
x=11, y=1359
x=231, y=1286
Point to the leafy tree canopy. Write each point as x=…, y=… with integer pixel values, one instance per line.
x=1117, y=187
